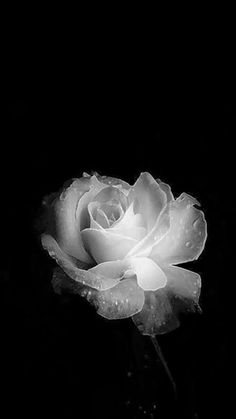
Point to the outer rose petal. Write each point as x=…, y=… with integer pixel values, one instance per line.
x=144, y=247
x=182, y=282
x=167, y=189
x=123, y=300
x=64, y=216
x=157, y=316
x=150, y=197
x=161, y=308
x=186, y=237
x=70, y=213
x=83, y=277
x=104, y=245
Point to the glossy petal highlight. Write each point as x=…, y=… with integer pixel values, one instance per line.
x=149, y=275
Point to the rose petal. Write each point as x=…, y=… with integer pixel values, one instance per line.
x=123, y=300
x=118, y=183
x=167, y=189
x=162, y=307
x=70, y=211
x=157, y=316
x=82, y=215
x=101, y=219
x=90, y=278
x=186, y=237
x=182, y=282
x=144, y=247
x=151, y=199
x=130, y=225
x=104, y=245
x=64, y=216
x=111, y=195
x=149, y=274
x=112, y=269
x=98, y=218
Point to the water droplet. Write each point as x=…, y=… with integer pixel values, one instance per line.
x=126, y=300
x=187, y=244
x=116, y=303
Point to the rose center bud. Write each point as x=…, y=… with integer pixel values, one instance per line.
x=113, y=212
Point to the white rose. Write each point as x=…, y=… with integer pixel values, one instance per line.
x=118, y=246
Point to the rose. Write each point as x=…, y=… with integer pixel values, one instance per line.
x=117, y=245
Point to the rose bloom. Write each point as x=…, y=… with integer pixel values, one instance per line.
x=118, y=246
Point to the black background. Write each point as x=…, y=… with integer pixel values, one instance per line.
x=117, y=112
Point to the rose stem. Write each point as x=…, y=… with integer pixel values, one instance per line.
x=161, y=356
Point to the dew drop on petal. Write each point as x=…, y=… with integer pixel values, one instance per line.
x=187, y=244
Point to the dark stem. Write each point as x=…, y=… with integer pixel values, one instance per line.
x=163, y=361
